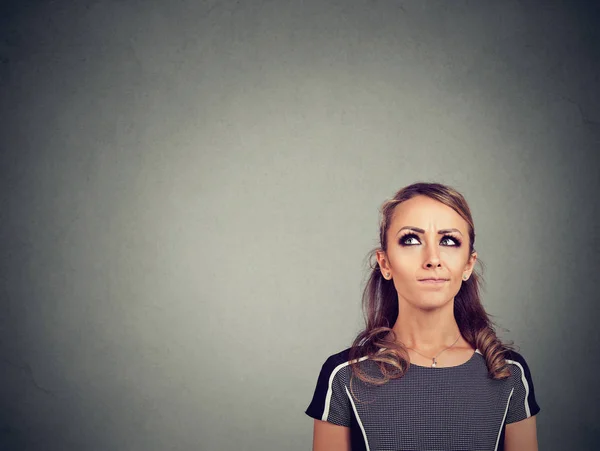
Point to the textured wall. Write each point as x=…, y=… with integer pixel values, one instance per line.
x=189, y=189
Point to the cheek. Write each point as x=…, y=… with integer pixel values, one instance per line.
x=406, y=264
x=453, y=258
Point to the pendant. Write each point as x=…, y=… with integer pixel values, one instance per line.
x=434, y=363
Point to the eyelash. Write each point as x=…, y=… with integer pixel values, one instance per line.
x=412, y=235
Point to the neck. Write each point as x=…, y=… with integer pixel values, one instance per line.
x=427, y=330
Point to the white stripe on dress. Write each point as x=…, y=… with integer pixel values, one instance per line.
x=526, y=384
x=329, y=389
x=358, y=419
x=503, y=419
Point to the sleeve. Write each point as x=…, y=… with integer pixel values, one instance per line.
x=330, y=400
x=522, y=403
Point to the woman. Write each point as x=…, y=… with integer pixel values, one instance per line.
x=428, y=372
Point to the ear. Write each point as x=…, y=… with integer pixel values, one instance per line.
x=382, y=260
x=470, y=263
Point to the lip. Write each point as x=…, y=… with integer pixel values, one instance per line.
x=434, y=281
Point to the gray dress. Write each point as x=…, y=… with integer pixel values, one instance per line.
x=457, y=408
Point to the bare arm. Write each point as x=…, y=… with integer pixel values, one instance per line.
x=331, y=437
x=521, y=435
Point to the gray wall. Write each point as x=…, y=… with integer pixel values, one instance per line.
x=189, y=189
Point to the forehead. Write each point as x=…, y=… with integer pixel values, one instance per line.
x=425, y=212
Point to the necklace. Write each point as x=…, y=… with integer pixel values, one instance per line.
x=434, y=364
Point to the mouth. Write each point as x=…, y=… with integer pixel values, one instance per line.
x=433, y=280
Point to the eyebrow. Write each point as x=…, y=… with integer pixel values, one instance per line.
x=416, y=229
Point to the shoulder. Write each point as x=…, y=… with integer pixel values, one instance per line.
x=335, y=362
x=341, y=359
x=338, y=358
x=329, y=402
x=516, y=361
x=523, y=402
x=338, y=366
x=521, y=377
x=514, y=357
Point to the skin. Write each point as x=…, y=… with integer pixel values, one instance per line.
x=426, y=312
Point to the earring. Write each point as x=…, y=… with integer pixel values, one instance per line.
x=465, y=277
x=387, y=275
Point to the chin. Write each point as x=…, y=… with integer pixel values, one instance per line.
x=433, y=302
x=428, y=301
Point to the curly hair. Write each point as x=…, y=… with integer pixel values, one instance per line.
x=380, y=302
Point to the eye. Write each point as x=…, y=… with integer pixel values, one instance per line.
x=405, y=238
x=454, y=241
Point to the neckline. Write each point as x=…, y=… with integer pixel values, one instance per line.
x=477, y=351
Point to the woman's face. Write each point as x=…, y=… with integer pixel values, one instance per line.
x=417, y=250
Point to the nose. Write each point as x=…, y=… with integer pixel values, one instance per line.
x=432, y=257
